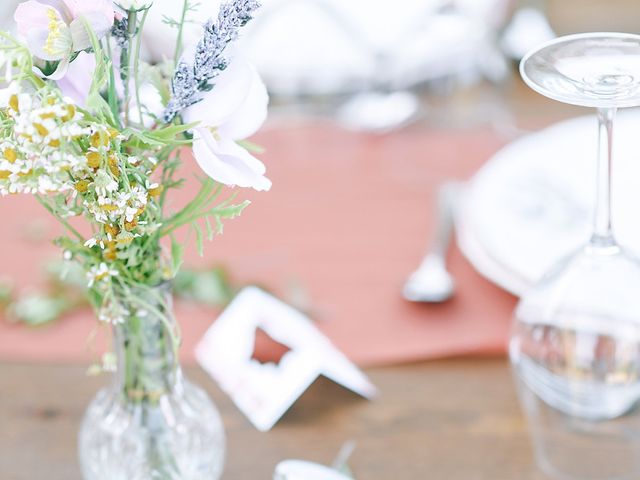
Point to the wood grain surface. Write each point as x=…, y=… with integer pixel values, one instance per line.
x=445, y=420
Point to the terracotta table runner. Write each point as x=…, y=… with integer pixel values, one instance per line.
x=347, y=220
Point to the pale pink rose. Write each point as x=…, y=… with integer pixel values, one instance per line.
x=234, y=109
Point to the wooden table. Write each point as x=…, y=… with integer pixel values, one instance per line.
x=445, y=420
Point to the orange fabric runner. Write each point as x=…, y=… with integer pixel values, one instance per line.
x=348, y=218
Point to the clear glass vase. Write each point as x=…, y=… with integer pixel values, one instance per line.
x=150, y=423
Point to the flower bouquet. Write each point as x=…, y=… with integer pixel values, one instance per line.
x=93, y=130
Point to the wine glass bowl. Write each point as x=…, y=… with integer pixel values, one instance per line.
x=591, y=70
x=576, y=341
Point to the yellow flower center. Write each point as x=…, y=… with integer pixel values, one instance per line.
x=125, y=240
x=82, y=186
x=99, y=139
x=93, y=159
x=71, y=112
x=41, y=129
x=102, y=276
x=156, y=191
x=128, y=226
x=10, y=154
x=14, y=103
x=113, y=166
x=112, y=230
x=51, y=45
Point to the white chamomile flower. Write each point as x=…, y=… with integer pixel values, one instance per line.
x=104, y=184
x=99, y=273
x=130, y=213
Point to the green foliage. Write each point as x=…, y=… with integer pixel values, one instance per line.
x=103, y=77
x=177, y=256
x=116, y=159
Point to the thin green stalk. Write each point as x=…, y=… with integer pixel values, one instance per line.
x=62, y=220
x=172, y=329
x=26, y=57
x=208, y=192
x=136, y=65
x=183, y=17
x=132, y=19
x=112, y=94
x=201, y=214
x=203, y=210
x=208, y=186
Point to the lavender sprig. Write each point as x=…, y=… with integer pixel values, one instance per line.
x=209, y=61
x=120, y=32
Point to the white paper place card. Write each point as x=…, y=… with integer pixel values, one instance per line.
x=265, y=391
x=301, y=470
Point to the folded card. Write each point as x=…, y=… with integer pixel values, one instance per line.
x=265, y=391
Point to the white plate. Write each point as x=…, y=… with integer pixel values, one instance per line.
x=532, y=203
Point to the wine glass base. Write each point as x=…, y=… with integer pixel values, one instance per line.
x=570, y=448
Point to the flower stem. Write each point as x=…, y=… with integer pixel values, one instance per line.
x=132, y=20
x=136, y=66
x=208, y=191
x=62, y=220
x=112, y=94
x=183, y=17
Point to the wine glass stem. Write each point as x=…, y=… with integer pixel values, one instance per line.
x=602, y=233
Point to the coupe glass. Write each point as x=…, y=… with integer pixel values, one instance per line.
x=575, y=345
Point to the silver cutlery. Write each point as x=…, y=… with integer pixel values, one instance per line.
x=432, y=282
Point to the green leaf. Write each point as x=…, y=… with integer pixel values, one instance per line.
x=219, y=226
x=101, y=108
x=210, y=232
x=231, y=211
x=199, y=238
x=38, y=309
x=159, y=138
x=209, y=287
x=171, y=132
x=227, y=212
x=140, y=139
x=177, y=255
x=102, y=76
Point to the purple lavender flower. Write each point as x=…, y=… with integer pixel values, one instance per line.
x=209, y=61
